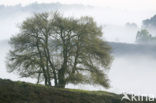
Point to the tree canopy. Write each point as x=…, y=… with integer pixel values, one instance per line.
x=143, y=36
x=54, y=48
x=148, y=23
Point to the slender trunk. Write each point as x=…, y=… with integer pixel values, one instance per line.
x=76, y=55
x=38, y=78
x=54, y=72
x=48, y=75
x=49, y=60
x=41, y=62
x=47, y=70
x=52, y=66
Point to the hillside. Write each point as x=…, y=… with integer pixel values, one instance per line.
x=21, y=92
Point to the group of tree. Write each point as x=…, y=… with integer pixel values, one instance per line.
x=143, y=36
x=150, y=23
x=60, y=50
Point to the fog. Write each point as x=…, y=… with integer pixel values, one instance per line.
x=112, y=20
x=134, y=66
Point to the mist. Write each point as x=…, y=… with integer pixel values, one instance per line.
x=112, y=20
x=133, y=68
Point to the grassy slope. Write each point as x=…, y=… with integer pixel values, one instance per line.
x=21, y=92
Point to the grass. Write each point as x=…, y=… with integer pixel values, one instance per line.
x=21, y=92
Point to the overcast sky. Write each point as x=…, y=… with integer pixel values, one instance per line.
x=128, y=73
x=123, y=4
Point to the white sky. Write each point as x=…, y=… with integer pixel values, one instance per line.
x=123, y=4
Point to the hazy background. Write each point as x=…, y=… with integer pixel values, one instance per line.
x=134, y=66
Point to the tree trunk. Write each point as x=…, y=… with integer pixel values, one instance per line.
x=49, y=60
x=61, y=75
x=47, y=70
x=41, y=62
x=38, y=78
x=61, y=78
x=52, y=66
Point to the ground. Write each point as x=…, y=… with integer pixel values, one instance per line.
x=22, y=92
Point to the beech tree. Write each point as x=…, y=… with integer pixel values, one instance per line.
x=54, y=48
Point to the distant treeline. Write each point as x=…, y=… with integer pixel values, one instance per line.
x=38, y=7
x=150, y=22
x=125, y=49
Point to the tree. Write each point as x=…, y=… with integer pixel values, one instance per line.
x=143, y=36
x=60, y=49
